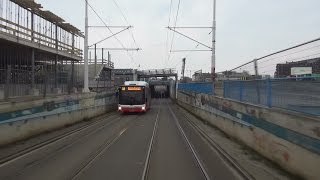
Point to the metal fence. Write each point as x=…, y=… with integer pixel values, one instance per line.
x=298, y=94
x=48, y=78
x=18, y=82
x=205, y=87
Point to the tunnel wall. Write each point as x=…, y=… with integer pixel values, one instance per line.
x=289, y=139
x=20, y=120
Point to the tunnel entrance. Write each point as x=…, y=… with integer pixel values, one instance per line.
x=160, y=91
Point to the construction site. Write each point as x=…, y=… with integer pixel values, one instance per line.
x=41, y=54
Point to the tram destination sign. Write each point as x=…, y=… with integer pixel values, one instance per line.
x=133, y=88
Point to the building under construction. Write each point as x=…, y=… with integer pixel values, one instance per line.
x=38, y=50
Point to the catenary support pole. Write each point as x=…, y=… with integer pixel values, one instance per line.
x=86, y=48
x=213, y=57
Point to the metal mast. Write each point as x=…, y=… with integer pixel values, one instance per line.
x=183, y=68
x=86, y=49
x=213, y=57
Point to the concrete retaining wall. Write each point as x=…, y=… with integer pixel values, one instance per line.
x=172, y=88
x=289, y=139
x=20, y=120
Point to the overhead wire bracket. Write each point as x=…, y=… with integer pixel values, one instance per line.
x=171, y=28
x=114, y=34
x=120, y=49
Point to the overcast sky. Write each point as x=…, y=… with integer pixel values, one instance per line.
x=246, y=29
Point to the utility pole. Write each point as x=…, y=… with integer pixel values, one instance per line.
x=86, y=49
x=213, y=57
x=183, y=68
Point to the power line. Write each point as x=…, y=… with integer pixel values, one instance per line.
x=110, y=31
x=306, y=49
x=188, y=53
x=104, y=23
x=124, y=17
x=110, y=36
x=278, y=52
x=175, y=24
x=167, y=40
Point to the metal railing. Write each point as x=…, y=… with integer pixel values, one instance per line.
x=18, y=83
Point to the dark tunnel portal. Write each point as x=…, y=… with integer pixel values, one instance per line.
x=158, y=91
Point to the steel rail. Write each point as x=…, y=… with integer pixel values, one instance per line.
x=29, y=150
x=106, y=145
x=146, y=164
x=194, y=153
x=108, y=142
x=228, y=158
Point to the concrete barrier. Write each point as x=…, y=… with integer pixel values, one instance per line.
x=289, y=139
x=20, y=120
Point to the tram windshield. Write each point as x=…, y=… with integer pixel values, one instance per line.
x=131, y=96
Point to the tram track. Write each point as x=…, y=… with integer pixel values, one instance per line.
x=223, y=154
x=108, y=142
x=147, y=164
x=114, y=142
x=33, y=149
x=150, y=147
x=197, y=159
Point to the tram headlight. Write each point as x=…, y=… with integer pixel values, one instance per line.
x=119, y=108
x=143, y=108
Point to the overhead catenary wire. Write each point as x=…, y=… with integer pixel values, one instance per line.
x=270, y=67
x=275, y=53
x=306, y=49
x=126, y=20
x=167, y=40
x=189, y=52
x=293, y=59
x=175, y=24
x=95, y=12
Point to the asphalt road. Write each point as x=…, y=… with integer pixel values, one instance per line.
x=118, y=148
